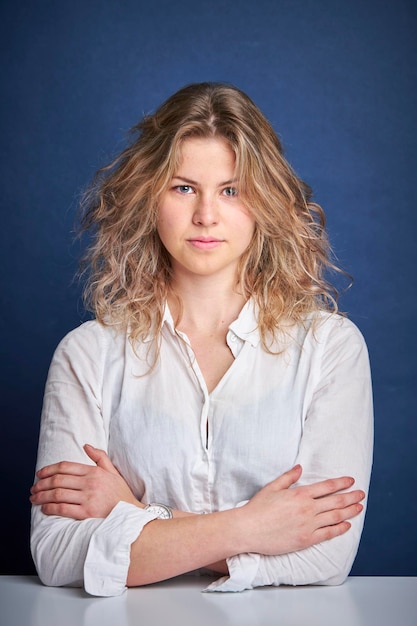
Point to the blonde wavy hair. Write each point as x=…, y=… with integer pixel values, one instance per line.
x=128, y=269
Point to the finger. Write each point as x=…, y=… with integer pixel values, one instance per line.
x=63, y=481
x=331, y=518
x=100, y=458
x=329, y=532
x=63, y=467
x=73, y=511
x=328, y=487
x=339, y=501
x=57, y=496
x=288, y=478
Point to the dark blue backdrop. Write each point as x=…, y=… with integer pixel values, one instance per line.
x=338, y=81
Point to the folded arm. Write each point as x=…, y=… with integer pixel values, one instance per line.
x=277, y=520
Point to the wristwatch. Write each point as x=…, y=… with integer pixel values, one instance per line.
x=162, y=511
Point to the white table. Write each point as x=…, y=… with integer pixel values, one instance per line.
x=361, y=601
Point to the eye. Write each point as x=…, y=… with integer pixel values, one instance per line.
x=230, y=192
x=184, y=189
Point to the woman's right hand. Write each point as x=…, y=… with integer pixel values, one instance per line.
x=81, y=491
x=280, y=518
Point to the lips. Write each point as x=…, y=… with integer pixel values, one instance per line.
x=205, y=243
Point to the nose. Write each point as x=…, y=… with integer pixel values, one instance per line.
x=205, y=211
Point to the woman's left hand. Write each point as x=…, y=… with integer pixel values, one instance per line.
x=81, y=491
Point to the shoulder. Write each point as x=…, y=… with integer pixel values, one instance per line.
x=338, y=340
x=87, y=331
x=335, y=329
x=85, y=356
x=90, y=342
x=322, y=328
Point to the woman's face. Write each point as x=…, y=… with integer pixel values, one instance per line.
x=202, y=221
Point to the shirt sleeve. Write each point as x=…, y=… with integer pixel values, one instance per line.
x=337, y=440
x=93, y=552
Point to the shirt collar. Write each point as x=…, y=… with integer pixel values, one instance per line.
x=168, y=320
x=245, y=326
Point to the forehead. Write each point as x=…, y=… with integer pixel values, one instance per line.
x=203, y=152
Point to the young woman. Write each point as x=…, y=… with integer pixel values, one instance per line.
x=217, y=412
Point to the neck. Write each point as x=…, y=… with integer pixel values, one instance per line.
x=204, y=304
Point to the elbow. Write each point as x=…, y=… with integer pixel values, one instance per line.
x=340, y=553
x=50, y=571
x=338, y=579
x=47, y=573
x=57, y=563
x=47, y=577
x=338, y=567
x=52, y=575
x=43, y=565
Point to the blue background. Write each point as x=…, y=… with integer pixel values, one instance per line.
x=337, y=80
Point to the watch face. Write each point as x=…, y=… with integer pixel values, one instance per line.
x=162, y=511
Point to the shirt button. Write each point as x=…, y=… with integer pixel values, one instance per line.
x=233, y=338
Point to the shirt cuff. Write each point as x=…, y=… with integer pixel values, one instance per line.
x=108, y=556
x=242, y=572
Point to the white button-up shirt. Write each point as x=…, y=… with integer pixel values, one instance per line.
x=176, y=443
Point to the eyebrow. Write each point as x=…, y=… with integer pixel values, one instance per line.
x=189, y=181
